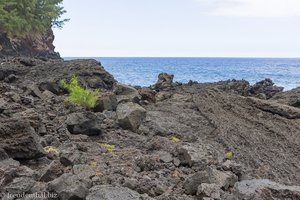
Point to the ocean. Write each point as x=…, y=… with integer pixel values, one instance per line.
x=284, y=72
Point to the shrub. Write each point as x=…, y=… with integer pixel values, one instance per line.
x=78, y=94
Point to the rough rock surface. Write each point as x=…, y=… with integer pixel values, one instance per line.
x=164, y=82
x=106, y=192
x=35, y=45
x=130, y=115
x=265, y=87
x=265, y=189
x=178, y=141
x=84, y=123
x=19, y=140
x=291, y=97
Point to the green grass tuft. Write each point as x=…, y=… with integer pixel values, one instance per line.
x=78, y=94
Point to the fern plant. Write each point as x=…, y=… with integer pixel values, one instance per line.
x=78, y=94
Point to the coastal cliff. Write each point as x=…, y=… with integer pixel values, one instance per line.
x=33, y=45
x=224, y=140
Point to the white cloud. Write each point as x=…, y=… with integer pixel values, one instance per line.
x=253, y=8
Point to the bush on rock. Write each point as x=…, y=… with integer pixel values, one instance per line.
x=78, y=94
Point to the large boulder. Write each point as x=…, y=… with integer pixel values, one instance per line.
x=86, y=123
x=265, y=189
x=52, y=171
x=223, y=179
x=19, y=140
x=15, y=178
x=147, y=94
x=192, y=155
x=107, y=101
x=68, y=187
x=126, y=93
x=164, y=82
x=106, y=192
x=130, y=115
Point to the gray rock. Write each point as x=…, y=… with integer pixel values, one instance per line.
x=19, y=139
x=34, y=90
x=12, y=175
x=84, y=123
x=147, y=94
x=266, y=87
x=286, y=111
x=211, y=176
x=230, y=165
x=106, y=192
x=161, y=96
x=48, y=95
x=107, y=101
x=68, y=187
x=192, y=155
x=52, y=171
x=14, y=96
x=130, y=183
x=130, y=115
x=209, y=190
x=165, y=81
x=20, y=185
x=126, y=93
x=265, y=189
x=164, y=156
x=84, y=171
x=70, y=155
x=291, y=97
x=3, y=155
x=50, y=86
x=240, y=87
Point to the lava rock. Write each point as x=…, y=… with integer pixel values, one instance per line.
x=266, y=87
x=210, y=176
x=68, y=187
x=147, y=94
x=130, y=115
x=84, y=123
x=106, y=192
x=52, y=171
x=19, y=139
x=126, y=93
x=265, y=189
x=164, y=82
x=107, y=101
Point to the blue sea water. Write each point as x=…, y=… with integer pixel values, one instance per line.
x=144, y=71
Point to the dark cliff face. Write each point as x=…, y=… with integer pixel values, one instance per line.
x=35, y=45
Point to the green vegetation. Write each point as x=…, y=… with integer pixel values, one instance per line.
x=78, y=94
x=51, y=150
x=229, y=154
x=174, y=139
x=93, y=164
x=109, y=147
x=20, y=18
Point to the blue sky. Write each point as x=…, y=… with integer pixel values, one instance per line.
x=180, y=28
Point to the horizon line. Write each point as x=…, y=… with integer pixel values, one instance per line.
x=268, y=57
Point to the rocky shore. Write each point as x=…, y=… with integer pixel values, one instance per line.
x=170, y=141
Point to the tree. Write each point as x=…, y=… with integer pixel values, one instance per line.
x=20, y=18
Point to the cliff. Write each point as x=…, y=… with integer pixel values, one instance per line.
x=35, y=45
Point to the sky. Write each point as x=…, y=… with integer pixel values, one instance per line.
x=180, y=28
